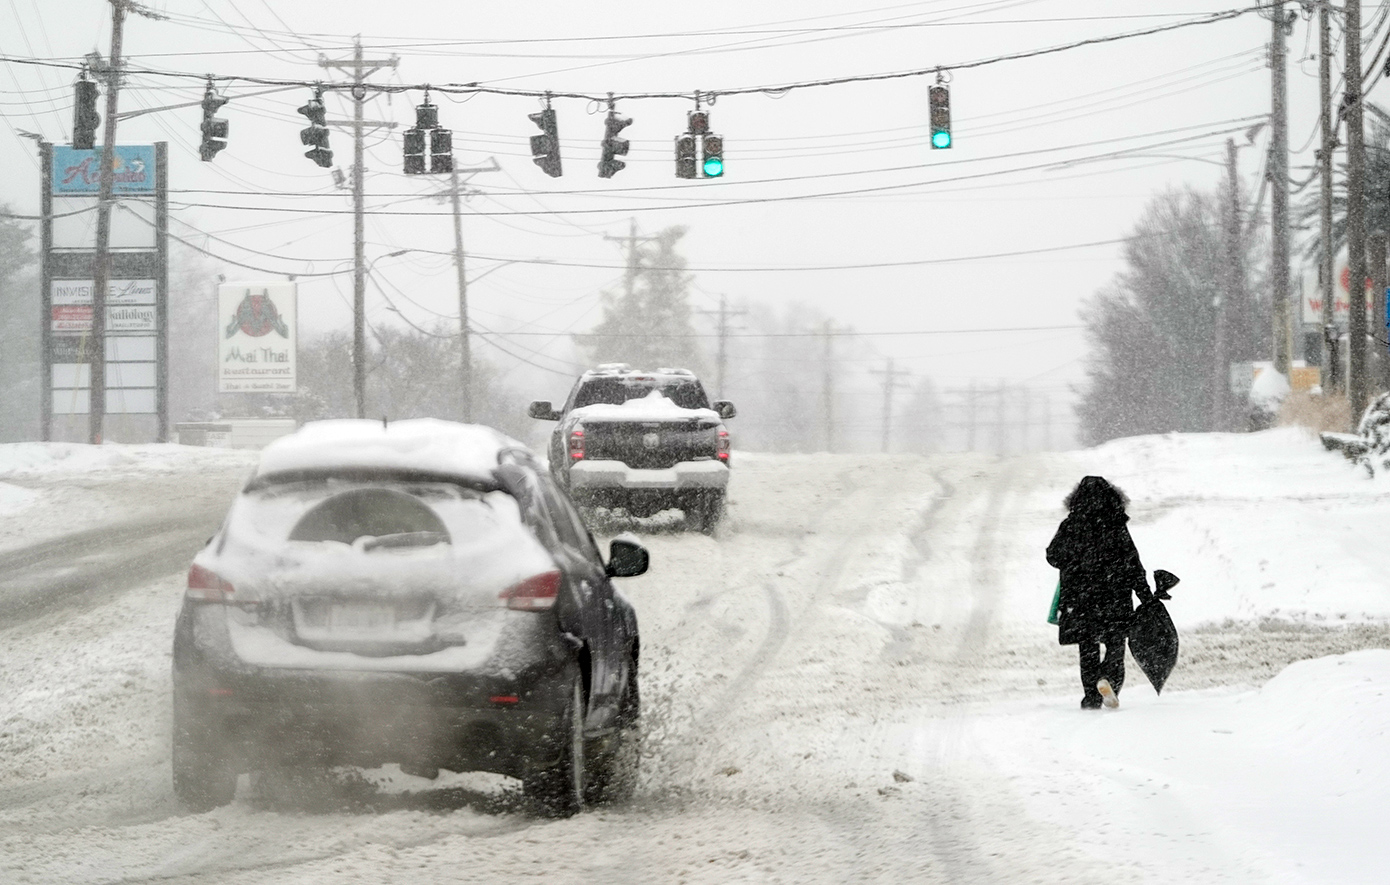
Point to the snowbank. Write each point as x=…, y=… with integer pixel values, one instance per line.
x=1290, y=781
x=46, y=461
x=1263, y=525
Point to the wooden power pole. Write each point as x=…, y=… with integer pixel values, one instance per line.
x=891, y=382
x=359, y=69
x=1356, y=216
x=722, y=355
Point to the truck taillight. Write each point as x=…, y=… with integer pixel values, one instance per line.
x=723, y=446
x=205, y=585
x=536, y=593
x=576, y=445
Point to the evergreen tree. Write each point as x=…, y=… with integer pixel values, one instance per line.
x=19, y=333
x=648, y=324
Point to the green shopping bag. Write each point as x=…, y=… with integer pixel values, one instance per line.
x=1056, y=601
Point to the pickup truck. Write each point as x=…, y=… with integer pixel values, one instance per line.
x=641, y=442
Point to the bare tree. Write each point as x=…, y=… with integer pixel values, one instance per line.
x=1152, y=329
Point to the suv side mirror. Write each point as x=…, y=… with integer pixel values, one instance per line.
x=725, y=408
x=626, y=558
x=543, y=411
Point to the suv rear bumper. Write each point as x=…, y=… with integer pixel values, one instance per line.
x=686, y=476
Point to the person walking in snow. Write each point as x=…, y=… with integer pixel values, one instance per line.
x=1100, y=573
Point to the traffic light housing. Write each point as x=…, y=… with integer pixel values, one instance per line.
x=214, y=128
x=441, y=151
x=85, y=118
x=699, y=152
x=316, y=133
x=712, y=146
x=608, y=164
x=441, y=142
x=685, y=156
x=939, y=106
x=414, y=152
x=545, y=148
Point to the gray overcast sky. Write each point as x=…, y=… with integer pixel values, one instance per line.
x=993, y=192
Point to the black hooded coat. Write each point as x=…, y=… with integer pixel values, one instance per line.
x=1100, y=566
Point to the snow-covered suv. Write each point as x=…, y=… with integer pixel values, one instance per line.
x=643, y=442
x=418, y=593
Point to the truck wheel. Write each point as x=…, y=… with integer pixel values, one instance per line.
x=204, y=778
x=706, y=511
x=558, y=791
x=613, y=773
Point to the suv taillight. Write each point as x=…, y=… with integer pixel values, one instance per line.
x=723, y=446
x=205, y=585
x=576, y=444
x=536, y=593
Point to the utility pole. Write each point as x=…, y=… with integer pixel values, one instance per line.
x=101, y=261
x=827, y=389
x=457, y=190
x=1279, y=186
x=890, y=383
x=1327, y=286
x=1375, y=364
x=1356, y=217
x=634, y=258
x=1027, y=419
x=972, y=419
x=1047, y=422
x=1221, y=371
x=359, y=69
x=1001, y=430
x=721, y=360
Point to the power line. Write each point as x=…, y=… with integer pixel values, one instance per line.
x=771, y=89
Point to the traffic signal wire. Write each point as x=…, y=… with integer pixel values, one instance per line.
x=707, y=95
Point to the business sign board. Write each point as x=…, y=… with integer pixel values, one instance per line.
x=79, y=172
x=1341, y=295
x=257, y=335
x=130, y=306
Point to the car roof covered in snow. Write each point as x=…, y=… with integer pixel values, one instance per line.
x=416, y=446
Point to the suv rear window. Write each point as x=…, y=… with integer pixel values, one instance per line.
x=684, y=392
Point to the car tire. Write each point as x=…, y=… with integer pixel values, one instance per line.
x=614, y=769
x=558, y=791
x=204, y=778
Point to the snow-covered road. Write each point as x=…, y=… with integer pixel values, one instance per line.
x=851, y=683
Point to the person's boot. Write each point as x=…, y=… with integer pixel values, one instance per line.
x=1108, y=697
x=1091, y=702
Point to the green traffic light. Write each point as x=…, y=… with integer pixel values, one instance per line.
x=941, y=139
x=714, y=167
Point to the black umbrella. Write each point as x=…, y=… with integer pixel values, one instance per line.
x=1153, y=640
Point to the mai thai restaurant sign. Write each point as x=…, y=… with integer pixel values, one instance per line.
x=130, y=306
x=257, y=336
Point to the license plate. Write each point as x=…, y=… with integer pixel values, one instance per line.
x=356, y=617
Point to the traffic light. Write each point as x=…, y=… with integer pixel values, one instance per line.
x=545, y=148
x=939, y=104
x=709, y=161
x=612, y=145
x=441, y=151
x=414, y=152
x=685, y=156
x=316, y=134
x=85, y=118
x=214, y=128
x=713, y=148
x=441, y=143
